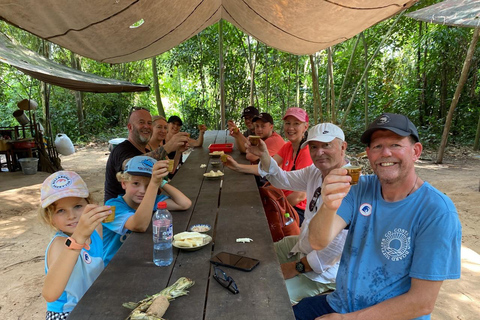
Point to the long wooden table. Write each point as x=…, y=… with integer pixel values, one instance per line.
x=233, y=208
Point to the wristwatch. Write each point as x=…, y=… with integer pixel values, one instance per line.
x=300, y=267
x=72, y=244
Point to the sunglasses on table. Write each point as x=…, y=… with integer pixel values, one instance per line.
x=225, y=281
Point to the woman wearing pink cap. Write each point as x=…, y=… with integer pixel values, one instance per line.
x=289, y=157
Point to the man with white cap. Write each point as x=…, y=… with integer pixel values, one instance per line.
x=404, y=236
x=308, y=272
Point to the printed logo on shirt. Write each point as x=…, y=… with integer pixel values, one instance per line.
x=396, y=244
x=86, y=257
x=365, y=209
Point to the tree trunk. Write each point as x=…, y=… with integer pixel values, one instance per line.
x=266, y=77
x=368, y=66
x=317, y=110
x=78, y=95
x=458, y=91
x=476, y=144
x=443, y=85
x=297, y=100
x=419, y=75
x=339, y=100
x=333, y=117
x=156, y=87
x=365, y=50
x=222, y=75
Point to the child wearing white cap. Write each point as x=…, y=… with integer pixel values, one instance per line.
x=73, y=258
x=141, y=180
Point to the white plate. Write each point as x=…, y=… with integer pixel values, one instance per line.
x=206, y=241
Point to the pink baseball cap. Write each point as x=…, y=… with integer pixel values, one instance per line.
x=298, y=113
x=62, y=184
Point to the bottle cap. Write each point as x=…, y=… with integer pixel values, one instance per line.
x=162, y=205
x=287, y=215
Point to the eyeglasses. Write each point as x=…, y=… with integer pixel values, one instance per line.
x=225, y=281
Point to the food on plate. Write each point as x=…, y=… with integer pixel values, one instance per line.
x=217, y=153
x=213, y=173
x=189, y=239
x=200, y=228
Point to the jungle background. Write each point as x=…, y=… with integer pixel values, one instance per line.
x=413, y=69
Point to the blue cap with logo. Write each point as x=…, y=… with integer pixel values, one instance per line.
x=140, y=166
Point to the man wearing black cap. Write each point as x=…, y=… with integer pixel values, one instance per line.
x=247, y=115
x=404, y=235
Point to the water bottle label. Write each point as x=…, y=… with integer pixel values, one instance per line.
x=169, y=232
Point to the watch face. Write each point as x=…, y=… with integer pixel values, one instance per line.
x=300, y=267
x=68, y=242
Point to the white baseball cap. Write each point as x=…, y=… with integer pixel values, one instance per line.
x=324, y=132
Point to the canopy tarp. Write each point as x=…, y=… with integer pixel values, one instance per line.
x=41, y=68
x=458, y=13
x=102, y=30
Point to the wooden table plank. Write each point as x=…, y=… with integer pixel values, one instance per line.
x=233, y=210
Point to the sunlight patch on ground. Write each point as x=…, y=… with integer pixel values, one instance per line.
x=470, y=259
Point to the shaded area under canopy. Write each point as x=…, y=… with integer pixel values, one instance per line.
x=41, y=68
x=101, y=30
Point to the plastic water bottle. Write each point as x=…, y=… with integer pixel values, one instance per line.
x=289, y=219
x=162, y=236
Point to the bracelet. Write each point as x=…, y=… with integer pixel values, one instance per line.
x=164, y=182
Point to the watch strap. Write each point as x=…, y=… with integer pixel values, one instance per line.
x=74, y=245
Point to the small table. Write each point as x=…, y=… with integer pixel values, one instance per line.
x=233, y=208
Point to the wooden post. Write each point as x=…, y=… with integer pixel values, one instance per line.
x=456, y=96
x=222, y=76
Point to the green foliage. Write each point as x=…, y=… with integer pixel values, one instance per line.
x=415, y=73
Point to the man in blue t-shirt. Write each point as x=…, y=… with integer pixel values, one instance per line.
x=404, y=235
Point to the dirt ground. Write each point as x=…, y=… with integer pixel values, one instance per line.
x=23, y=239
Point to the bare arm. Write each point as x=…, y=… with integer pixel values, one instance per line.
x=326, y=224
x=418, y=301
x=296, y=197
x=199, y=141
x=140, y=221
x=177, y=201
x=61, y=260
x=243, y=168
x=240, y=139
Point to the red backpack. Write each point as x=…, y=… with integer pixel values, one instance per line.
x=276, y=205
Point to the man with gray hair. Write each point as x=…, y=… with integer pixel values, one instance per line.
x=308, y=272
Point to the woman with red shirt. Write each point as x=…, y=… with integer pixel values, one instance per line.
x=289, y=157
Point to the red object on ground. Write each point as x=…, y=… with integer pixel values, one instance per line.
x=225, y=147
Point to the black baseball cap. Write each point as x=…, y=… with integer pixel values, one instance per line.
x=175, y=119
x=250, y=111
x=397, y=123
x=265, y=117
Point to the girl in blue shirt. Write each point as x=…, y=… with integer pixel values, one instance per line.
x=73, y=258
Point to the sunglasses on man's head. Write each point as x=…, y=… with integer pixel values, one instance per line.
x=133, y=109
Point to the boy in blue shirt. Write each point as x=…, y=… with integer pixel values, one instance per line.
x=141, y=179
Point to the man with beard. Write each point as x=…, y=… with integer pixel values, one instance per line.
x=404, y=235
x=307, y=272
x=139, y=132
